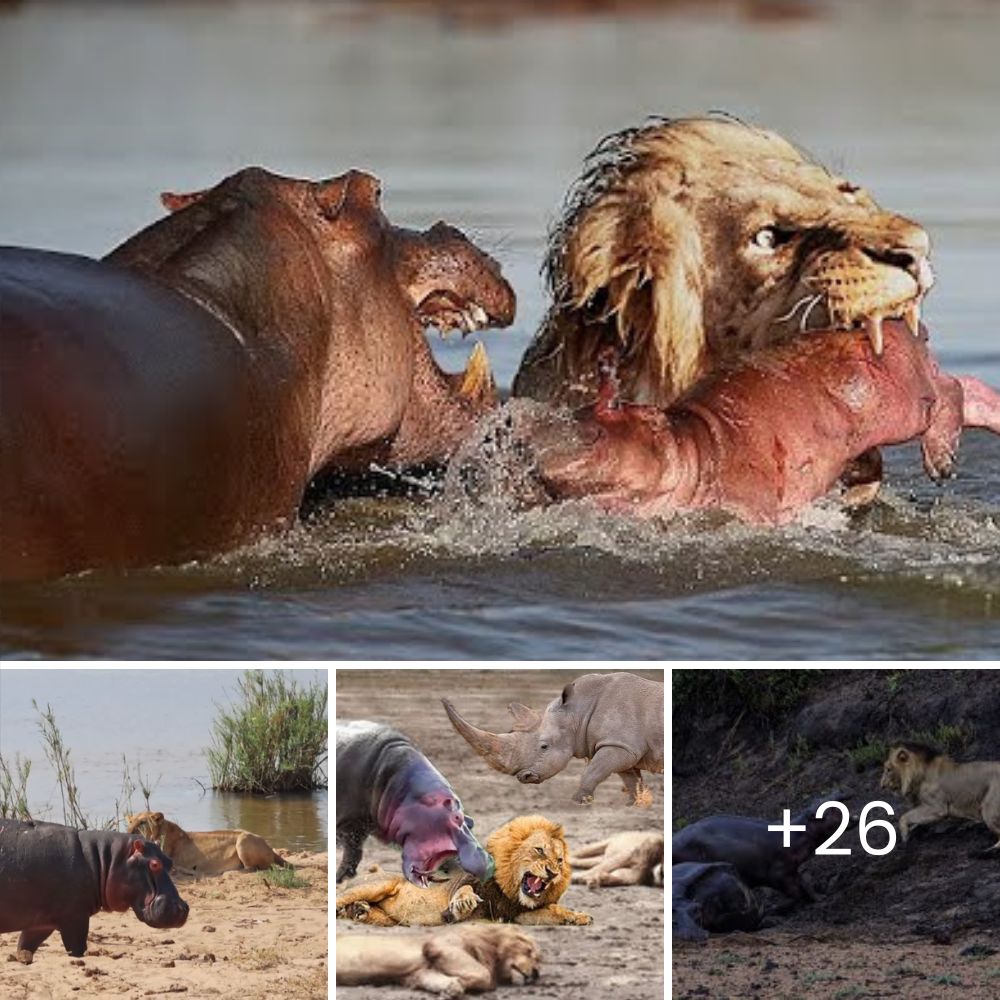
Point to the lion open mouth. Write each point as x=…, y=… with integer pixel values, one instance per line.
x=533, y=885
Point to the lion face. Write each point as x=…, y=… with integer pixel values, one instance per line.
x=688, y=243
x=518, y=959
x=905, y=767
x=146, y=824
x=532, y=864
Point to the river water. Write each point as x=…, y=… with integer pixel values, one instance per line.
x=158, y=723
x=103, y=106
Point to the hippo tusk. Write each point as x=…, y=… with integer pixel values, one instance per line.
x=497, y=750
x=873, y=327
x=477, y=382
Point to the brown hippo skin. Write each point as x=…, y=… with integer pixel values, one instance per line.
x=761, y=441
x=174, y=399
x=55, y=878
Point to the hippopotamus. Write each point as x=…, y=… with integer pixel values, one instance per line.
x=173, y=399
x=711, y=897
x=386, y=786
x=55, y=878
x=760, y=441
x=757, y=853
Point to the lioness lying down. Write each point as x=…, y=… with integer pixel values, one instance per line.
x=208, y=853
x=939, y=788
x=447, y=962
x=632, y=858
x=532, y=873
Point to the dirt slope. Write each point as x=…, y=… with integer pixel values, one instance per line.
x=893, y=926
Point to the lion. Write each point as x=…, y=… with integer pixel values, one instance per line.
x=687, y=243
x=448, y=962
x=209, y=853
x=941, y=787
x=532, y=873
x=632, y=858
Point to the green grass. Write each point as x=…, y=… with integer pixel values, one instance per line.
x=867, y=754
x=282, y=878
x=273, y=740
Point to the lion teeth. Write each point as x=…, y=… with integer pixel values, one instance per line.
x=873, y=327
x=479, y=314
x=912, y=317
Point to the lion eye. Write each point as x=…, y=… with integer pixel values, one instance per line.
x=770, y=237
x=540, y=851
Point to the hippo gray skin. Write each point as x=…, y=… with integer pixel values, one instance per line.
x=756, y=852
x=55, y=878
x=174, y=399
x=387, y=787
x=615, y=721
x=711, y=897
x=760, y=441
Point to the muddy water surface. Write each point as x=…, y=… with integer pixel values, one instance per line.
x=102, y=107
x=160, y=720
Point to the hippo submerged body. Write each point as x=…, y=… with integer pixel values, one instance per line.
x=387, y=787
x=174, y=399
x=55, y=878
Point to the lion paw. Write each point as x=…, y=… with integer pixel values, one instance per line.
x=463, y=903
x=579, y=918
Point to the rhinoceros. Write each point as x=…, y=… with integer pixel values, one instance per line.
x=613, y=720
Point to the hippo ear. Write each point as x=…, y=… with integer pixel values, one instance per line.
x=138, y=847
x=525, y=719
x=330, y=195
x=175, y=202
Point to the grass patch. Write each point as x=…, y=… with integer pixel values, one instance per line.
x=274, y=740
x=951, y=739
x=945, y=980
x=282, y=878
x=868, y=753
x=14, y=788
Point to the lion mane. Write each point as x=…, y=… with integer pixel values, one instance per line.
x=687, y=243
x=532, y=873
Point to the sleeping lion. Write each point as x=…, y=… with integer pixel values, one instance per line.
x=208, y=853
x=449, y=962
x=532, y=873
x=633, y=858
x=686, y=243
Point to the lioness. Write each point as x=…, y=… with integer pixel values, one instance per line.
x=532, y=873
x=632, y=858
x=686, y=243
x=208, y=853
x=941, y=788
x=448, y=962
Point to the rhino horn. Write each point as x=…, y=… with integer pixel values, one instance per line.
x=498, y=750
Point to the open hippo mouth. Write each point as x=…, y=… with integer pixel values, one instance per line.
x=431, y=871
x=448, y=311
x=533, y=885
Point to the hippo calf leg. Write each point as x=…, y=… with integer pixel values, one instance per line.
x=607, y=761
x=348, y=867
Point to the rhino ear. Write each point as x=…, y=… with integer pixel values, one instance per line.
x=568, y=692
x=525, y=719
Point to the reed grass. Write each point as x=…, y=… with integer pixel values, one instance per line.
x=273, y=740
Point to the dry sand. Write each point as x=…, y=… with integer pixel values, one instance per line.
x=619, y=956
x=244, y=939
